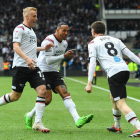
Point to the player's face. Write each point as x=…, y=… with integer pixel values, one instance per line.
x=63, y=32
x=32, y=18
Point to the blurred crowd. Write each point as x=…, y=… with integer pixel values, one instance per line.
x=123, y=25
x=77, y=14
x=136, y=44
x=122, y=4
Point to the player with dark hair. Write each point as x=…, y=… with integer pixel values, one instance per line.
x=108, y=50
x=48, y=62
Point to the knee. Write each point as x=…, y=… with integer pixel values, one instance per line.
x=119, y=105
x=42, y=92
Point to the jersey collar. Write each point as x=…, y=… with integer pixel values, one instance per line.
x=27, y=26
x=57, y=39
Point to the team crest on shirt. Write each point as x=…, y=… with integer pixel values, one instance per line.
x=16, y=35
x=65, y=46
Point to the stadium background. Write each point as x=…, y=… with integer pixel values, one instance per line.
x=120, y=16
x=122, y=20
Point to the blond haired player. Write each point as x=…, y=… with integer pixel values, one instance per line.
x=25, y=68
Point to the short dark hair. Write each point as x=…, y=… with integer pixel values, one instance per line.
x=99, y=27
x=61, y=23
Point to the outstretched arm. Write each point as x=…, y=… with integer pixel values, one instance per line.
x=131, y=55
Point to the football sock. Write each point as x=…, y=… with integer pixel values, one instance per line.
x=117, y=118
x=32, y=113
x=132, y=119
x=5, y=99
x=39, y=107
x=70, y=105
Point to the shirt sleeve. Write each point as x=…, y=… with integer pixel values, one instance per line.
x=49, y=52
x=17, y=34
x=122, y=46
x=131, y=55
x=92, y=68
x=92, y=50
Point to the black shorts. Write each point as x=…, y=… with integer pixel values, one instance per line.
x=23, y=74
x=117, y=85
x=53, y=79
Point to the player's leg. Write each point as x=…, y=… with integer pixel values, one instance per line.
x=10, y=97
x=37, y=81
x=70, y=105
x=48, y=99
x=130, y=116
x=95, y=80
x=117, y=117
x=39, y=107
x=118, y=90
x=18, y=84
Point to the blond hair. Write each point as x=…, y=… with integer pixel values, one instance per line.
x=26, y=11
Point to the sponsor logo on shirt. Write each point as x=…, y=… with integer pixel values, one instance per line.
x=117, y=59
x=32, y=39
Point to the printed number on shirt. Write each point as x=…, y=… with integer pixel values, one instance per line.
x=110, y=49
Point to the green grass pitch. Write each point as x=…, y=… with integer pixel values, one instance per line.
x=58, y=119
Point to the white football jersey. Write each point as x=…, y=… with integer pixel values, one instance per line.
x=28, y=44
x=58, y=49
x=107, y=50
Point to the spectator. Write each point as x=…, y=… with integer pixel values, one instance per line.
x=6, y=68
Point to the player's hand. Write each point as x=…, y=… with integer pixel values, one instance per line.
x=69, y=53
x=31, y=63
x=88, y=88
x=48, y=46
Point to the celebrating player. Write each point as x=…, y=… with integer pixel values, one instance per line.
x=48, y=62
x=25, y=68
x=108, y=50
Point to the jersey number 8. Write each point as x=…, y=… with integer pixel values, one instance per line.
x=111, y=53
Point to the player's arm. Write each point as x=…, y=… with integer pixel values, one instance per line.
x=92, y=65
x=49, y=53
x=47, y=47
x=54, y=59
x=91, y=71
x=131, y=55
x=17, y=49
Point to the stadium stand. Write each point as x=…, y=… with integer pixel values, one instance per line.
x=121, y=18
x=78, y=14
